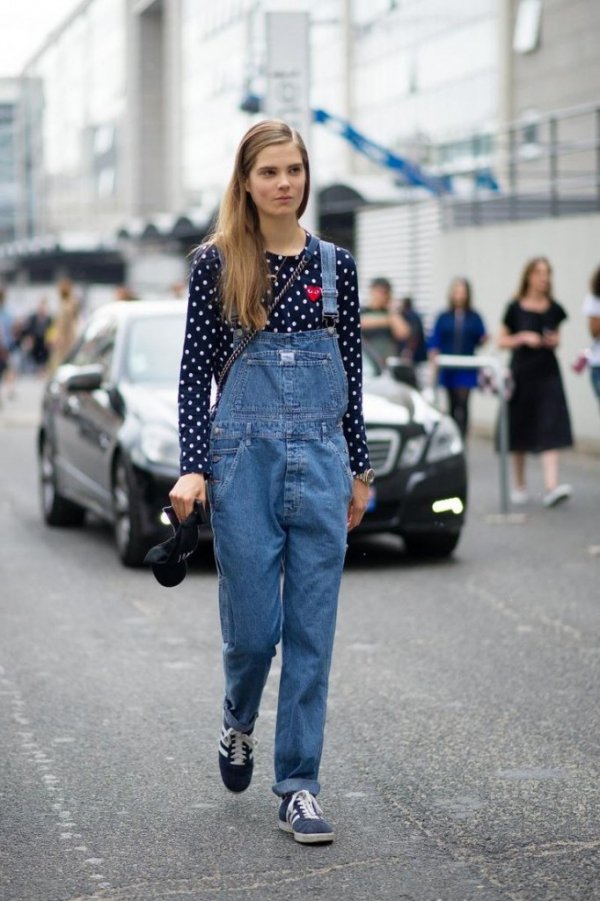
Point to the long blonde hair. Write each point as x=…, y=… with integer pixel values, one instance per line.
x=244, y=281
x=526, y=275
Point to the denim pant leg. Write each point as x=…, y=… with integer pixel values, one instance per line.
x=313, y=564
x=249, y=544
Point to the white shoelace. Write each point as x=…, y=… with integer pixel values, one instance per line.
x=308, y=809
x=237, y=742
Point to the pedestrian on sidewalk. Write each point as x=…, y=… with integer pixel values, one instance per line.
x=459, y=330
x=539, y=421
x=34, y=338
x=414, y=347
x=282, y=460
x=64, y=330
x=382, y=324
x=8, y=344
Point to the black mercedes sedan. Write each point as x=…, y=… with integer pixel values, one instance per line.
x=108, y=439
x=417, y=452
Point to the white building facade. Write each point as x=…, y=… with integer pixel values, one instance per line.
x=131, y=112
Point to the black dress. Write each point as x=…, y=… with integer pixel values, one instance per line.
x=538, y=414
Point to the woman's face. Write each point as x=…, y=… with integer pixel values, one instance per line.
x=539, y=278
x=459, y=295
x=277, y=180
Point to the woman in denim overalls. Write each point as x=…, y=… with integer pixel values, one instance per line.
x=273, y=458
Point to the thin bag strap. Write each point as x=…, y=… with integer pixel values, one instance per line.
x=309, y=252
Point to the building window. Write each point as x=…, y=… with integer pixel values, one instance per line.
x=527, y=26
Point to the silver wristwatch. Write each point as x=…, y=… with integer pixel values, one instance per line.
x=368, y=476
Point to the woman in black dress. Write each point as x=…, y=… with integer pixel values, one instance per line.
x=538, y=413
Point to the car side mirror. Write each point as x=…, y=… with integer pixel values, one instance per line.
x=86, y=378
x=402, y=371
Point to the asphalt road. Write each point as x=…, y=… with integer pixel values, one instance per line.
x=461, y=758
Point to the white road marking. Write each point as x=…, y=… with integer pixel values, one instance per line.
x=43, y=762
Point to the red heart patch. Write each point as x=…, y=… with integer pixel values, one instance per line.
x=313, y=292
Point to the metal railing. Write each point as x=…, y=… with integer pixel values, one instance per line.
x=455, y=361
x=542, y=166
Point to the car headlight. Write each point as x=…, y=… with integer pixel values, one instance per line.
x=412, y=450
x=446, y=441
x=160, y=444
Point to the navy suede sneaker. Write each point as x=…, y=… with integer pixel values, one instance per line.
x=236, y=759
x=301, y=815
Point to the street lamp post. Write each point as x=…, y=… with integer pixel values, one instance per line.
x=288, y=77
x=456, y=361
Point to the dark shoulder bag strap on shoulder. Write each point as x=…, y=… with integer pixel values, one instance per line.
x=245, y=340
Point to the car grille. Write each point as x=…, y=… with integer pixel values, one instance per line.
x=384, y=446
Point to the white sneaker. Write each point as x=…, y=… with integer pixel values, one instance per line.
x=558, y=494
x=519, y=496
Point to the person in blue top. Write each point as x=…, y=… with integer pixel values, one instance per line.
x=7, y=346
x=458, y=330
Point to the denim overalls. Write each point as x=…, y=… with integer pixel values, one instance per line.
x=279, y=494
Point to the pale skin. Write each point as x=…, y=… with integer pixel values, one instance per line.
x=594, y=326
x=276, y=184
x=536, y=300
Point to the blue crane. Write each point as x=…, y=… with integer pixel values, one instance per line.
x=409, y=172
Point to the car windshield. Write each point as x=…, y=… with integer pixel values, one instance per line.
x=155, y=344
x=154, y=347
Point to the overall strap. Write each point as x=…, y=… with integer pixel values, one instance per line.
x=330, y=310
x=312, y=247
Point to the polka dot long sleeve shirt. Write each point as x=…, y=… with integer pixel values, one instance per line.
x=209, y=340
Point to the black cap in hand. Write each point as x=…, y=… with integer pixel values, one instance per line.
x=168, y=560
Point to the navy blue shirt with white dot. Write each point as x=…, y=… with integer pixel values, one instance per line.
x=209, y=341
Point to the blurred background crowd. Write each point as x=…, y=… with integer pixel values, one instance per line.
x=451, y=145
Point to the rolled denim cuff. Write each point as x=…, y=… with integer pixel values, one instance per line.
x=232, y=723
x=289, y=786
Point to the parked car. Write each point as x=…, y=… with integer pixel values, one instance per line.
x=417, y=452
x=108, y=439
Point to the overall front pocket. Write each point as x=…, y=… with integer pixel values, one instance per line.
x=225, y=461
x=338, y=445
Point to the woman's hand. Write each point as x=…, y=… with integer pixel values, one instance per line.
x=187, y=489
x=530, y=339
x=358, y=504
x=550, y=339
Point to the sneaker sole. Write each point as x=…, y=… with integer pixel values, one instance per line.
x=556, y=501
x=234, y=791
x=310, y=838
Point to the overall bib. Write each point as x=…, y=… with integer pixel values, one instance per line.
x=279, y=494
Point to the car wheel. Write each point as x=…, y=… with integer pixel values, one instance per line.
x=56, y=509
x=431, y=544
x=131, y=544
